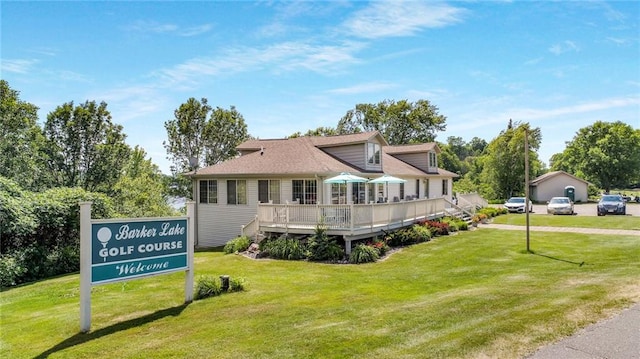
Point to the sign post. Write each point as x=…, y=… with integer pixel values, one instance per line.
x=85, y=266
x=114, y=250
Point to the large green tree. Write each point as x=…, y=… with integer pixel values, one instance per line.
x=207, y=136
x=140, y=190
x=186, y=134
x=22, y=142
x=224, y=131
x=605, y=153
x=86, y=148
x=400, y=122
x=503, y=168
x=193, y=135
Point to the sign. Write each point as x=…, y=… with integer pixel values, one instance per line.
x=127, y=248
x=135, y=248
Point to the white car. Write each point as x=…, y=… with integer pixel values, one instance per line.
x=517, y=205
x=560, y=205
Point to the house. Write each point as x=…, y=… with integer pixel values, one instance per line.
x=553, y=184
x=278, y=185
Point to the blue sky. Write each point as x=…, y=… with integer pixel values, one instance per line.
x=295, y=66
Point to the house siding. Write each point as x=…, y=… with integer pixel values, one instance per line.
x=353, y=154
x=219, y=223
x=418, y=160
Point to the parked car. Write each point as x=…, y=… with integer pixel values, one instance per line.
x=517, y=205
x=560, y=205
x=612, y=203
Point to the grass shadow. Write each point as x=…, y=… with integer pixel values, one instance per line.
x=579, y=264
x=82, y=338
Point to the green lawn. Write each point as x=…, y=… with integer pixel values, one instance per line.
x=476, y=294
x=612, y=222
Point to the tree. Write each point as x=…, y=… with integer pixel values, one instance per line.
x=85, y=148
x=449, y=160
x=477, y=146
x=224, y=131
x=320, y=131
x=140, y=191
x=191, y=135
x=399, y=122
x=185, y=134
x=606, y=154
x=22, y=142
x=458, y=147
x=503, y=162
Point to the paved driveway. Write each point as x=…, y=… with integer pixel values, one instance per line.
x=588, y=209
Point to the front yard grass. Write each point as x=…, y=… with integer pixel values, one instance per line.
x=476, y=294
x=610, y=222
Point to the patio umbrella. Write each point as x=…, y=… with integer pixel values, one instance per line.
x=386, y=179
x=345, y=177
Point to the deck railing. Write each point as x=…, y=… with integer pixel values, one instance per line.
x=471, y=200
x=346, y=217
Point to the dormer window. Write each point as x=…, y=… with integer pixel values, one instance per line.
x=433, y=160
x=373, y=154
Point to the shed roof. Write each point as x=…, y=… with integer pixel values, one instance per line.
x=553, y=174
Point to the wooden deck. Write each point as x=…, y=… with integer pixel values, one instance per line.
x=351, y=221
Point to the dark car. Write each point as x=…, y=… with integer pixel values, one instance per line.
x=612, y=203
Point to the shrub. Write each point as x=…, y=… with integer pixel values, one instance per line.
x=437, y=228
x=236, y=285
x=323, y=248
x=363, y=253
x=238, y=244
x=398, y=238
x=284, y=247
x=420, y=233
x=453, y=226
x=207, y=286
x=491, y=212
x=381, y=246
x=11, y=270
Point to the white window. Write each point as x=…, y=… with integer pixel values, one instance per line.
x=209, y=191
x=373, y=153
x=236, y=192
x=269, y=191
x=445, y=187
x=433, y=160
x=306, y=191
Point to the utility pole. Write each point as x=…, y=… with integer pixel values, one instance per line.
x=526, y=181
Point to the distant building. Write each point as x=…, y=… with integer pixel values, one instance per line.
x=554, y=184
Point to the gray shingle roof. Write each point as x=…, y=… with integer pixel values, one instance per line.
x=303, y=156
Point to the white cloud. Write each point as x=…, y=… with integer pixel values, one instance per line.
x=144, y=26
x=368, y=87
x=286, y=56
x=400, y=18
x=563, y=47
x=619, y=41
x=21, y=66
x=604, y=104
x=195, y=30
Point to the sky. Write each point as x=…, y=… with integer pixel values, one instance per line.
x=295, y=66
